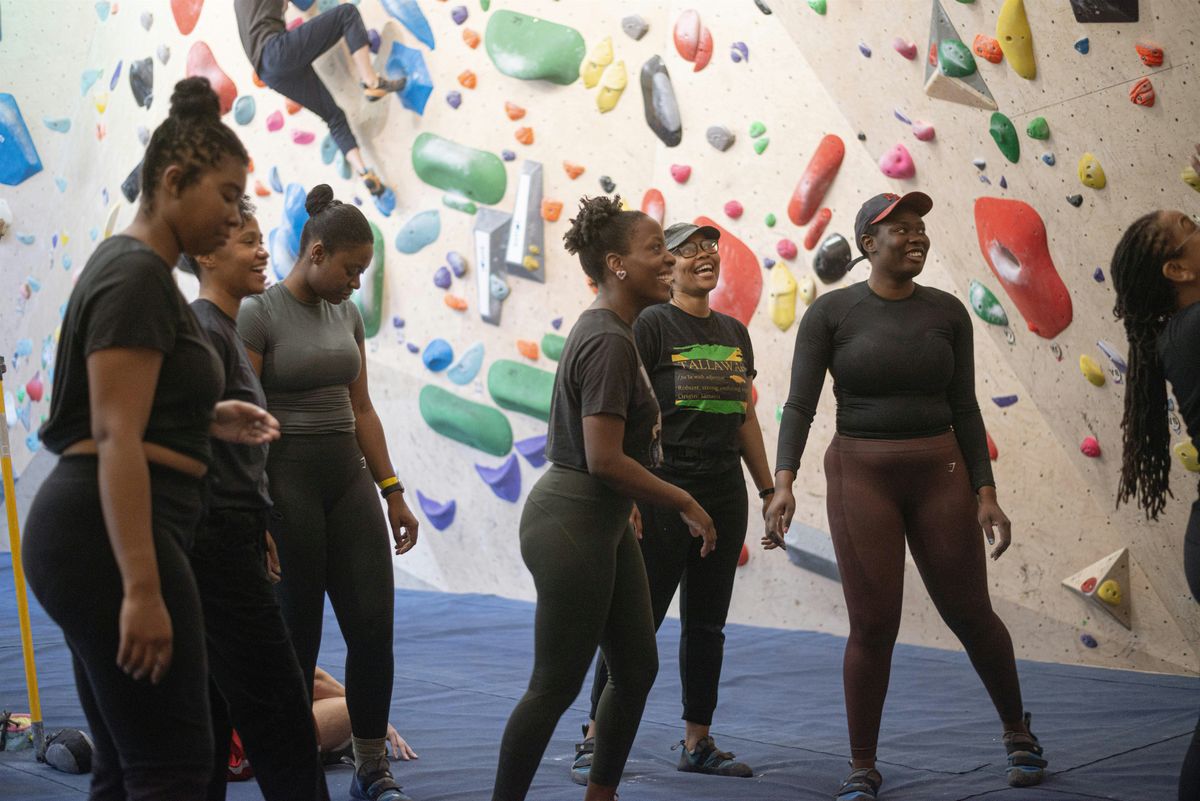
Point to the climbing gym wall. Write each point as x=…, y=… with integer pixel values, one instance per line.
x=773, y=125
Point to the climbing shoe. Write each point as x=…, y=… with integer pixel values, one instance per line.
x=383, y=86
x=1026, y=765
x=861, y=785
x=373, y=182
x=707, y=758
x=376, y=785
x=582, y=766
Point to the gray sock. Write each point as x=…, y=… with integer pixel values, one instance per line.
x=370, y=752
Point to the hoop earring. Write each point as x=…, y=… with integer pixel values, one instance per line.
x=621, y=275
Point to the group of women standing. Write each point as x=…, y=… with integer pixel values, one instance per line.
x=148, y=543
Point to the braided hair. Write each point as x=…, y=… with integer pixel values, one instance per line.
x=1145, y=299
x=601, y=227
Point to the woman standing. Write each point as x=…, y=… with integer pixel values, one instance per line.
x=909, y=463
x=1156, y=274
x=576, y=537
x=701, y=365
x=306, y=342
x=136, y=390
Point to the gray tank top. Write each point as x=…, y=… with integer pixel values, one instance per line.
x=310, y=357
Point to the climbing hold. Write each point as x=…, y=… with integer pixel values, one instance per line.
x=769, y=220
x=720, y=137
x=817, y=6
x=1091, y=371
x=504, y=480
x=369, y=296
x=1109, y=591
x=18, y=157
x=513, y=111
x=1038, y=128
x=447, y=165
x=1102, y=584
x=58, y=124
x=243, y=111
x=900, y=115
x=409, y=63
x=1005, y=136
x=786, y=249
x=1190, y=178
x=1088, y=640
x=420, y=230
x=1188, y=456
x=533, y=449
x=757, y=129
x=1098, y=275
x=551, y=209
x=687, y=34
x=164, y=53
x=532, y=49
x=980, y=164
x=441, y=278
x=768, y=262
x=102, y=9
x=573, y=170
x=147, y=19
x=457, y=263
x=458, y=14
x=968, y=89
x=1150, y=53
x=612, y=86
x=303, y=137
x=528, y=348
x=440, y=515
x=454, y=302
x=508, y=155
x=905, y=47
x=864, y=49
x=923, y=131
x=744, y=556
x=987, y=48
x=524, y=135
x=186, y=12
x=1114, y=356
x=34, y=388
x=593, y=65
x=607, y=185
x=1090, y=172
x=897, y=163
x=1142, y=93
x=552, y=346
x=832, y=259
x=738, y=51
x=635, y=26
x=465, y=421
x=955, y=59
x=817, y=228
x=100, y=100
x=202, y=63
x=985, y=305
x=1048, y=158
x=658, y=98
x=464, y=370
x=740, y=285
x=815, y=180
x=1016, y=39
x=808, y=290
x=437, y=355
x=681, y=172
x=1004, y=401
x=410, y=16
x=294, y=217
x=704, y=50
x=653, y=205
x=471, y=38
x=467, y=79
x=521, y=388
x=782, y=293
x=454, y=99
x=87, y=78
x=1003, y=182
x=733, y=209
x=761, y=143
x=1105, y=10
x=1075, y=200
x=1083, y=45
x=141, y=81
x=1012, y=238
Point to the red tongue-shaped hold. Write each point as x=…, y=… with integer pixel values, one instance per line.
x=1012, y=238
x=654, y=205
x=818, y=175
x=740, y=285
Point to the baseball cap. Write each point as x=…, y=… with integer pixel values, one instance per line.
x=877, y=209
x=681, y=232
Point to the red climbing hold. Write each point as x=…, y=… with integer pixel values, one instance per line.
x=654, y=205
x=704, y=49
x=993, y=451
x=200, y=62
x=987, y=48
x=1150, y=53
x=744, y=556
x=740, y=285
x=1090, y=447
x=1142, y=93
x=1012, y=238
x=1087, y=586
x=818, y=175
x=186, y=13
x=687, y=35
x=813, y=235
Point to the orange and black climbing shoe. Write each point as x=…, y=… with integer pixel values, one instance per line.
x=373, y=182
x=383, y=86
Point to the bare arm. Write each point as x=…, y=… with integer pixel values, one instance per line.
x=754, y=452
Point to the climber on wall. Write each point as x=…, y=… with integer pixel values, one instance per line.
x=284, y=59
x=1156, y=274
x=909, y=463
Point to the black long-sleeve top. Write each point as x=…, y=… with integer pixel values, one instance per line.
x=901, y=369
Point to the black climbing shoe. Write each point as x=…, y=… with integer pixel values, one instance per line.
x=1026, y=764
x=707, y=758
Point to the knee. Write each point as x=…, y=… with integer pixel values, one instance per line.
x=636, y=680
x=346, y=13
x=972, y=625
x=874, y=632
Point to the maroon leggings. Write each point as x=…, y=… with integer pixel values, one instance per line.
x=882, y=493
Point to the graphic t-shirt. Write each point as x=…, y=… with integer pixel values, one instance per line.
x=700, y=368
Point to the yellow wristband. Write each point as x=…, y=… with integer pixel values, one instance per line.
x=388, y=482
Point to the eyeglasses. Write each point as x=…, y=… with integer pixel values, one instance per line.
x=690, y=249
x=1178, y=251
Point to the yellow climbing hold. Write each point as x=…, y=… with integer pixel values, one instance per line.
x=534, y=249
x=1090, y=172
x=1189, y=457
x=530, y=263
x=101, y=101
x=600, y=57
x=1190, y=178
x=783, y=296
x=1109, y=591
x=1016, y=39
x=808, y=290
x=611, y=86
x=111, y=223
x=1091, y=370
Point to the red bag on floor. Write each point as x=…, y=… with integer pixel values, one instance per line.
x=239, y=767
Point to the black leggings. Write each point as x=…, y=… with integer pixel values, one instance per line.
x=672, y=557
x=152, y=741
x=287, y=59
x=591, y=590
x=1189, y=777
x=332, y=537
x=882, y=493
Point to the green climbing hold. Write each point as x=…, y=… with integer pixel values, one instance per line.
x=1038, y=128
x=521, y=388
x=955, y=59
x=485, y=4
x=552, y=346
x=817, y=6
x=770, y=220
x=757, y=128
x=761, y=143
x=534, y=49
x=475, y=174
x=986, y=305
x=1005, y=134
x=466, y=421
x=459, y=203
x=369, y=297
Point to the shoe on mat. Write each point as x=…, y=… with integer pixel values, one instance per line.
x=707, y=758
x=373, y=182
x=1026, y=764
x=376, y=785
x=582, y=766
x=861, y=785
x=383, y=86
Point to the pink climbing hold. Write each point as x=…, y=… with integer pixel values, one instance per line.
x=302, y=137
x=34, y=388
x=295, y=23
x=786, y=249
x=653, y=205
x=905, y=48
x=681, y=172
x=687, y=34
x=201, y=62
x=274, y=121
x=740, y=286
x=186, y=13
x=813, y=235
x=1090, y=447
x=733, y=209
x=922, y=130
x=897, y=163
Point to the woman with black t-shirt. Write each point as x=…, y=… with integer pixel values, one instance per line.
x=909, y=463
x=1156, y=274
x=701, y=365
x=576, y=537
x=136, y=386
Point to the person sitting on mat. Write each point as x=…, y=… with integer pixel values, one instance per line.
x=284, y=59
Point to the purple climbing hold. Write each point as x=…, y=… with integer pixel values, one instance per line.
x=739, y=52
x=1098, y=275
x=864, y=49
x=412, y=348
x=374, y=40
x=116, y=76
x=1003, y=182
x=441, y=279
x=983, y=179
x=768, y=262
x=397, y=321
x=18, y=156
x=1004, y=401
x=440, y=515
x=533, y=449
x=900, y=115
x=508, y=155
x=557, y=323
x=458, y=14
x=454, y=98
x=457, y=263
x=504, y=480
x=132, y=184
x=1088, y=640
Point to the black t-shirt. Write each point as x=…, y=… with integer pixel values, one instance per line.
x=1179, y=350
x=600, y=373
x=238, y=478
x=127, y=298
x=901, y=369
x=700, y=368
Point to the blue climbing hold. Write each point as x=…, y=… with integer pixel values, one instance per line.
x=1088, y=640
x=102, y=9
x=303, y=5
x=386, y=201
x=1113, y=355
x=59, y=181
x=329, y=149
x=112, y=82
x=58, y=124
x=294, y=215
x=557, y=323
x=454, y=98
x=26, y=239
x=409, y=63
x=397, y=321
x=374, y=41
x=1098, y=275
x=1004, y=401
x=768, y=262
x=411, y=17
x=504, y=480
x=464, y=370
x=421, y=229
x=18, y=156
x=275, y=181
x=1083, y=45
x=441, y=278
x=440, y=515
x=1048, y=158
x=282, y=256
x=243, y=110
x=87, y=79
x=457, y=263
x=438, y=355
x=533, y=449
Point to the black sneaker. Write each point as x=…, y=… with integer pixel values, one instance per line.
x=707, y=758
x=861, y=785
x=581, y=768
x=383, y=86
x=376, y=785
x=1026, y=764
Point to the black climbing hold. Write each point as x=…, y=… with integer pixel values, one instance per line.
x=607, y=184
x=141, y=81
x=1075, y=200
x=862, y=137
x=1105, y=10
x=832, y=259
x=762, y=6
x=132, y=185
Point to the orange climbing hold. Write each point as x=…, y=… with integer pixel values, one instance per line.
x=292, y=107
x=551, y=209
x=1142, y=93
x=528, y=348
x=573, y=170
x=987, y=48
x=261, y=190
x=525, y=135
x=186, y=13
x=513, y=111
x=101, y=131
x=1150, y=53
x=471, y=38
x=455, y=302
x=467, y=79
x=257, y=80
x=653, y=205
x=201, y=62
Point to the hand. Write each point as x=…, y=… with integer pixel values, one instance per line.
x=700, y=525
x=635, y=520
x=779, y=515
x=144, y=649
x=243, y=423
x=991, y=518
x=274, y=572
x=400, y=748
x=404, y=523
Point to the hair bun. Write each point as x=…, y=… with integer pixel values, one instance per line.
x=194, y=99
x=588, y=226
x=320, y=197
